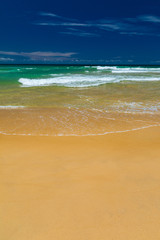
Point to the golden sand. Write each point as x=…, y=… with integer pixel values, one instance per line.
x=81, y=188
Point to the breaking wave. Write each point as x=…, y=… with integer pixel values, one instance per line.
x=73, y=80
x=82, y=80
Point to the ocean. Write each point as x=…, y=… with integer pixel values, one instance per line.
x=58, y=100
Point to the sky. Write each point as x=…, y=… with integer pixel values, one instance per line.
x=80, y=32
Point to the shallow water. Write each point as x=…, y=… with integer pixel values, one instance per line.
x=78, y=100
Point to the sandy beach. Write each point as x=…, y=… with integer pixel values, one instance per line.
x=67, y=188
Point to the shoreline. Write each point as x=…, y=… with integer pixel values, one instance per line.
x=78, y=135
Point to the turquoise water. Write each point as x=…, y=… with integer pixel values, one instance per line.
x=75, y=76
x=102, y=86
x=57, y=100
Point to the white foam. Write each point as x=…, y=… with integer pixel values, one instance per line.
x=136, y=107
x=82, y=80
x=141, y=79
x=116, y=69
x=132, y=71
x=11, y=107
x=73, y=80
x=136, y=70
x=128, y=68
x=29, y=68
x=105, y=67
x=81, y=135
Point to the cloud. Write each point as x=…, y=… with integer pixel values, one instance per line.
x=141, y=34
x=44, y=56
x=133, y=33
x=79, y=33
x=39, y=54
x=149, y=18
x=2, y=59
x=114, y=26
x=128, y=26
x=64, y=24
x=52, y=15
x=49, y=14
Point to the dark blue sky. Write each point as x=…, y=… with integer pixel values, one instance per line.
x=90, y=32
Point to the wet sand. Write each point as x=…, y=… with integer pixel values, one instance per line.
x=81, y=188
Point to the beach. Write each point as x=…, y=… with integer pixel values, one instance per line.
x=79, y=152
x=93, y=187
x=80, y=120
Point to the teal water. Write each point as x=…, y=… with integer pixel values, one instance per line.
x=75, y=76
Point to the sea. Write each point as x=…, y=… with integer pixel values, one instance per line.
x=78, y=100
